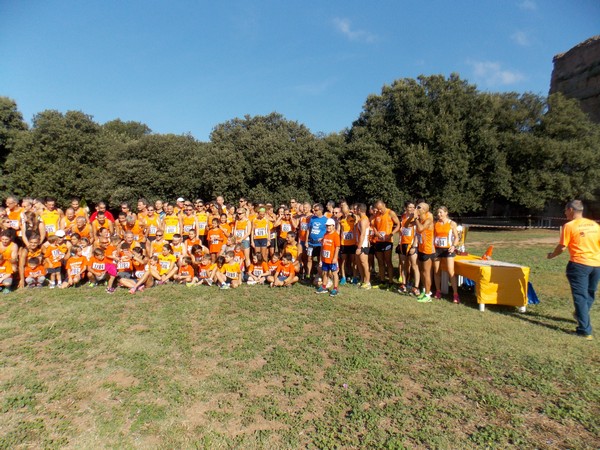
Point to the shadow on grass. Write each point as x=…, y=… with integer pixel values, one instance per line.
x=539, y=319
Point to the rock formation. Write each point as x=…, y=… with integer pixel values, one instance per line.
x=576, y=74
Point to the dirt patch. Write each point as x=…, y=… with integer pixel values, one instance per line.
x=523, y=243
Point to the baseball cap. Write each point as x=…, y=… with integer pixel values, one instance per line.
x=60, y=233
x=181, y=199
x=330, y=222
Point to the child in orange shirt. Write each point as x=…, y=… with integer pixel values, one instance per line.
x=330, y=248
x=273, y=265
x=206, y=270
x=258, y=270
x=35, y=273
x=285, y=276
x=75, y=267
x=230, y=275
x=100, y=268
x=185, y=274
x=54, y=255
x=216, y=237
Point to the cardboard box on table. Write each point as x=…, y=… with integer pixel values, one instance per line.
x=496, y=282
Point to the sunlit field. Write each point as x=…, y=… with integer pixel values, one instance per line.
x=178, y=367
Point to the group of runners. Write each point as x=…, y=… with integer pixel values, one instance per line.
x=213, y=243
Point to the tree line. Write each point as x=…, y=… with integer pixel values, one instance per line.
x=434, y=137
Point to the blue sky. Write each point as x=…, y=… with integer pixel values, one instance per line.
x=186, y=66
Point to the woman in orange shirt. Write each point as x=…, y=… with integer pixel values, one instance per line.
x=445, y=240
x=426, y=250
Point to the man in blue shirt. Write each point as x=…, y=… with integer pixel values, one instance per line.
x=314, y=236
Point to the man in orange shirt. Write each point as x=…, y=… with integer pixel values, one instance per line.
x=582, y=237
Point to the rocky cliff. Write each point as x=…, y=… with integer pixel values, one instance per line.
x=576, y=74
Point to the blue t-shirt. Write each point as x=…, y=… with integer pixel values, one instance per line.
x=316, y=230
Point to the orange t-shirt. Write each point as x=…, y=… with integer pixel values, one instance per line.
x=186, y=270
x=273, y=266
x=98, y=265
x=36, y=272
x=331, y=241
x=54, y=255
x=216, y=238
x=204, y=270
x=582, y=238
x=259, y=270
x=76, y=265
x=286, y=270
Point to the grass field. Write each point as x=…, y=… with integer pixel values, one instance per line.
x=180, y=367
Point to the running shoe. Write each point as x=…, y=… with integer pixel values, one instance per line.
x=343, y=280
x=321, y=290
x=110, y=290
x=402, y=289
x=366, y=286
x=333, y=293
x=424, y=298
x=438, y=295
x=355, y=280
x=456, y=299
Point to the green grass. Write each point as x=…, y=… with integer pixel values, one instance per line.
x=179, y=367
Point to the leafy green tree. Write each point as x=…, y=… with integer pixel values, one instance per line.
x=12, y=129
x=61, y=156
x=269, y=158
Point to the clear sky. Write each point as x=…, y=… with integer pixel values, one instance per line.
x=186, y=66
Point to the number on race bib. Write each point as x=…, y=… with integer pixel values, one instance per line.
x=348, y=235
x=50, y=229
x=406, y=231
x=286, y=227
x=153, y=230
x=260, y=232
x=441, y=242
x=98, y=266
x=202, y=225
x=240, y=233
x=326, y=254
x=172, y=229
x=75, y=270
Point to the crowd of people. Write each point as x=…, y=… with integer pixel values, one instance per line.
x=218, y=244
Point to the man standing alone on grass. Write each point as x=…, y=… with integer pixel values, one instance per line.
x=582, y=237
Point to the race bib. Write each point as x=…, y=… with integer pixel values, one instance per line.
x=14, y=223
x=215, y=241
x=231, y=274
x=273, y=235
x=165, y=265
x=348, y=235
x=153, y=230
x=240, y=233
x=203, y=274
x=202, y=225
x=286, y=227
x=172, y=229
x=139, y=274
x=382, y=234
x=123, y=265
x=260, y=232
x=75, y=270
x=406, y=231
x=441, y=242
x=257, y=272
x=187, y=228
x=50, y=228
x=309, y=251
x=98, y=266
x=304, y=226
x=326, y=254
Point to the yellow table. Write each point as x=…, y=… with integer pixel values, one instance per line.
x=496, y=282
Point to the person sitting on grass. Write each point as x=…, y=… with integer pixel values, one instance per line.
x=140, y=267
x=6, y=274
x=185, y=274
x=35, y=273
x=167, y=266
x=230, y=274
x=274, y=264
x=98, y=266
x=258, y=270
x=330, y=249
x=151, y=273
x=205, y=271
x=76, y=267
x=285, y=276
